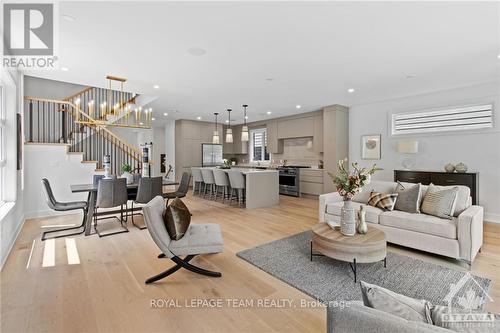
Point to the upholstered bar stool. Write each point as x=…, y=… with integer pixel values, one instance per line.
x=197, y=180
x=111, y=193
x=209, y=180
x=147, y=190
x=221, y=184
x=238, y=186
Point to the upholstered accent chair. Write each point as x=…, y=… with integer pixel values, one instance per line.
x=199, y=239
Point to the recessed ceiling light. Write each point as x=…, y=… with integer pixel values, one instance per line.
x=153, y=118
x=498, y=56
x=199, y=118
x=197, y=51
x=298, y=106
x=165, y=114
x=141, y=123
x=64, y=69
x=68, y=18
x=227, y=121
x=156, y=86
x=270, y=79
x=410, y=77
x=268, y=112
x=350, y=90
x=246, y=117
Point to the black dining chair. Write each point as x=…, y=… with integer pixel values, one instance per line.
x=62, y=207
x=147, y=190
x=111, y=193
x=182, y=190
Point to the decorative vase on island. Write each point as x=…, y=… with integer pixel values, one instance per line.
x=461, y=168
x=348, y=219
x=362, y=226
x=449, y=167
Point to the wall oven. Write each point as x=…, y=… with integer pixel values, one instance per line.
x=289, y=180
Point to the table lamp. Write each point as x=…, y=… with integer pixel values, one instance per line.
x=408, y=147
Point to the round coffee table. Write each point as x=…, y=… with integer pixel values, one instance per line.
x=367, y=248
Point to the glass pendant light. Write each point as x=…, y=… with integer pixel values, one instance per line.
x=229, y=131
x=215, y=137
x=244, y=128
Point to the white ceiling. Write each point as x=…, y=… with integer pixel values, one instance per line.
x=313, y=52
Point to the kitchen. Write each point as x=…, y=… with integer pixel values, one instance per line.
x=297, y=146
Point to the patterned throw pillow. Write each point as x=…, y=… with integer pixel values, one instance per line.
x=382, y=201
x=440, y=203
x=408, y=198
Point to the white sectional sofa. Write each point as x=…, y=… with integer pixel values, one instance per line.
x=460, y=238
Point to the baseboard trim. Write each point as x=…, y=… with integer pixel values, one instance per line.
x=492, y=218
x=11, y=246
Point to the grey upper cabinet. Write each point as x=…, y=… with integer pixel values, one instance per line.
x=296, y=128
x=318, y=134
x=274, y=145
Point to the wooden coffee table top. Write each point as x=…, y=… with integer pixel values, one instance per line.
x=366, y=248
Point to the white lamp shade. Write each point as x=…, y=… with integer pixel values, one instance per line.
x=229, y=135
x=215, y=137
x=244, y=133
x=407, y=147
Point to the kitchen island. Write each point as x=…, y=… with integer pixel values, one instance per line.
x=262, y=187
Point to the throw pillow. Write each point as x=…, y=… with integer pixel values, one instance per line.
x=408, y=198
x=396, y=304
x=451, y=318
x=439, y=202
x=177, y=219
x=383, y=201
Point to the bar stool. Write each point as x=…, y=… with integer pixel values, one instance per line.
x=147, y=190
x=238, y=186
x=197, y=180
x=111, y=193
x=221, y=182
x=209, y=180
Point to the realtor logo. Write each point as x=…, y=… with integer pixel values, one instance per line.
x=29, y=35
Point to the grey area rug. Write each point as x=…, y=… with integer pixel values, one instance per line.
x=326, y=279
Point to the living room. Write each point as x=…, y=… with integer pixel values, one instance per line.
x=250, y=167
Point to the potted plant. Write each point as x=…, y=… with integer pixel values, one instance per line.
x=348, y=184
x=226, y=164
x=126, y=168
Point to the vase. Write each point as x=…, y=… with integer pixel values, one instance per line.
x=129, y=177
x=348, y=219
x=362, y=226
x=460, y=167
x=449, y=167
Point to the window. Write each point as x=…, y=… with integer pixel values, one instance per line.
x=450, y=119
x=258, y=145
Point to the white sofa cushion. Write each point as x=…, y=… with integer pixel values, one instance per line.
x=372, y=213
x=423, y=223
x=376, y=186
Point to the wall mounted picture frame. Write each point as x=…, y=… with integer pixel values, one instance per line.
x=370, y=147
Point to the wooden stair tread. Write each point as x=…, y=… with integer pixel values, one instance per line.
x=75, y=153
x=47, y=143
x=89, y=161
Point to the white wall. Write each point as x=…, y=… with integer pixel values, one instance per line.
x=43, y=88
x=480, y=151
x=170, y=146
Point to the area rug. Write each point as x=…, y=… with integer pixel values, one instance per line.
x=326, y=279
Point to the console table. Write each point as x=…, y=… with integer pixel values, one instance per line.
x=469, y=179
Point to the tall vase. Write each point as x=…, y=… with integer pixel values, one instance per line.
x=348, y=219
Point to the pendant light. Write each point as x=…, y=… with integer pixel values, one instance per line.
x=244, y=128
x=229, y=131
x=215, y=137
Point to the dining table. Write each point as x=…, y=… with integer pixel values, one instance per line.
x=91, y=189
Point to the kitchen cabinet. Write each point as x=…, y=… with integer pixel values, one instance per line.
x=274, y=145
x=311, y=181
x=318, y=134
x=296, y=128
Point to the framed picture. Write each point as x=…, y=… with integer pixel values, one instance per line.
x=370, y=147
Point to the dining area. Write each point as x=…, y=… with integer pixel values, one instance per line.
x=111, y=203
x=240, y=187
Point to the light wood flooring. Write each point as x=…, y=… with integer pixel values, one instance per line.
x=105, y=291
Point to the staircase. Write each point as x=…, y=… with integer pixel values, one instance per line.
x=80, y=121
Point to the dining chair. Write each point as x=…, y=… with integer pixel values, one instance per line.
x=238, y=186
x=221, y=184
x=197, y=180
x=64, y=207
x=149, y=187
x=182, y=190
x=203, y=238
x=209, y=180
x=111, y=193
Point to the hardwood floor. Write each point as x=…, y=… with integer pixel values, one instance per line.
x=105, y=291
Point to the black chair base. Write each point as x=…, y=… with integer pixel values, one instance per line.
x=82, y=226
x=182, y=263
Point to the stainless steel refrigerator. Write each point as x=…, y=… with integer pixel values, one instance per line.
x=211, y=154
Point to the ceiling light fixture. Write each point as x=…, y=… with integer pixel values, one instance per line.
x=244, y=128
x=298, y=106
x=197, y=51
x=229, y=131
x=215, y=136
x=199, y=118
x=498, y=56
x=350, y=90
x=153, y=118
x=156, y=86
x=64, y=69
x=268, y=112
x=165, y=114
